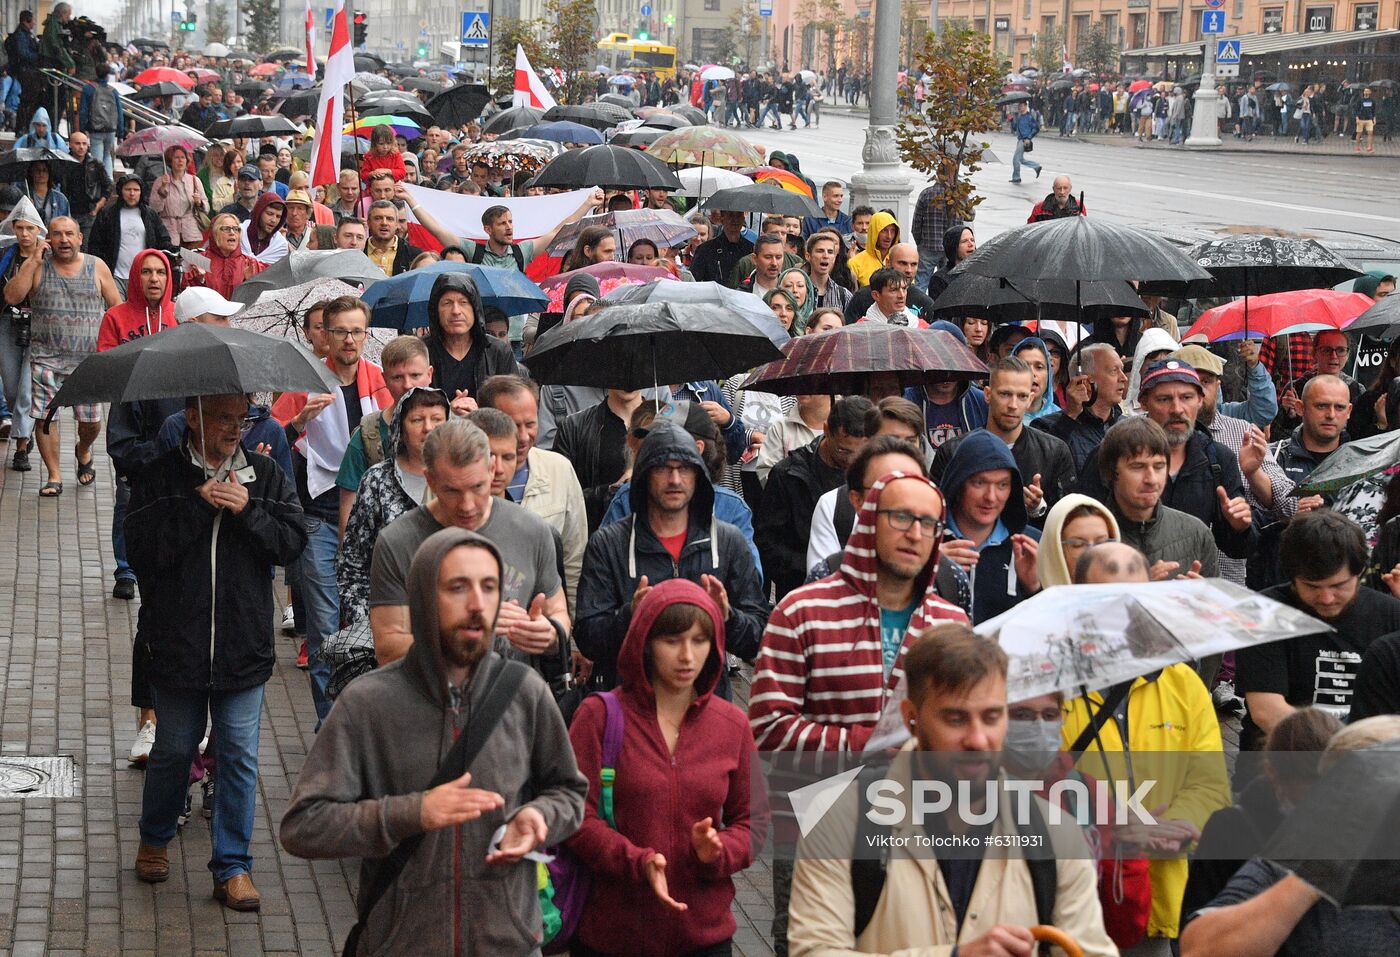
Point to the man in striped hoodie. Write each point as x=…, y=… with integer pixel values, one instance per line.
x=834, y=649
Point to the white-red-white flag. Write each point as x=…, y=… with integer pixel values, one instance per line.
x=529, y=88
x=310, y=41
x=330, y=111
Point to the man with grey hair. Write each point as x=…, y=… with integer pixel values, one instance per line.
x=457, y=464
x=384, y=247
x=1102, y=375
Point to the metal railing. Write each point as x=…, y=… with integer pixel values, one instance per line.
x=135, y=109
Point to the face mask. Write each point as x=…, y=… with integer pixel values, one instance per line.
x=1036, y=740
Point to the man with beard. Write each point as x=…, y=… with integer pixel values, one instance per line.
x=498, y=757
x=955, y=898
x=1204, y=477
x=67, y=296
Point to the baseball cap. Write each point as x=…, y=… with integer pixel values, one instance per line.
x=249, y=172
x=1200, y=358
x=197, y=300
x=1168, y=370
x=298, y=196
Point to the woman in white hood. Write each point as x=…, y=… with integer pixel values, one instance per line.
x=1154, y=344
x=20, y=235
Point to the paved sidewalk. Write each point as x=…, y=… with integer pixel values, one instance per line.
x=66, y=884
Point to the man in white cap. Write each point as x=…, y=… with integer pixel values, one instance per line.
x=198, y=304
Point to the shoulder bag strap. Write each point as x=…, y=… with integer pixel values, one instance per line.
x=612, y=749
x=1117, y=697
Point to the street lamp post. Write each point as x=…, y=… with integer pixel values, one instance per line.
x=1205, y=128
x=882, y=181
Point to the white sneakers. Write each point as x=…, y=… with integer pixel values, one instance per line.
x=141, y=747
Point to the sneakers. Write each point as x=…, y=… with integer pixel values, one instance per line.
x=124, y=588
x=141, y=747
x=303, y=660
x=289, y=622
x=20, y=462
x=206, y=790
x=188, y=810
x=5, y=426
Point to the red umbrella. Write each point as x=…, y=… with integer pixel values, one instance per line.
x=841, y=362
x=202, y=75
x=158, y=74
x=265, y=69
x=1137, y=85
x=1303, y=310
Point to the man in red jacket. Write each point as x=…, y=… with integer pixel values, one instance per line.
x=822, y=687
x=148, y=309
x=1059, y=204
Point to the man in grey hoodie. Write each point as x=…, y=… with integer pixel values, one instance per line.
x=361, y=791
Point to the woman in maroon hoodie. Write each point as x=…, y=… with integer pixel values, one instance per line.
x=663, y=881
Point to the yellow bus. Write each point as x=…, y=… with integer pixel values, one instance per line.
x=618, y=51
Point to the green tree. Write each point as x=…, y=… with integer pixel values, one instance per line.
x=942, y=141
x=571, y=46
x=262, y=18
x=1098, y=50
x=1048, y=52
x=509, y=31
x=216, y=21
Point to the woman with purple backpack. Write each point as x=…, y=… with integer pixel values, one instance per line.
x=668, y=817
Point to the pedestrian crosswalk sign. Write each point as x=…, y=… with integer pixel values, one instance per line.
x=476, y=29
x=1227, y=51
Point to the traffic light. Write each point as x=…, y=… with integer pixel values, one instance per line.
x=642, y=31
x=361, y=27
x=189, y=23
x=422, y=50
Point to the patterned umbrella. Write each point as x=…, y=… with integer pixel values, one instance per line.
x=1254, y=265
x=841, y=362
x=163, y=74
x=1303, y=310
x=705, y=146
x=155, y=140
x=280, y=313
x=363, y=82
x=1352, y=462
x=788, y=181
x=600, y=116
x=610, y=275
x=662, y=226
x=513, y=156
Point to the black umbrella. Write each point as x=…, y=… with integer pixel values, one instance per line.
x=414, y=111
x=1080, y=248
x=252, y=88
x=401, y=69
x=667, y=121
x=616, y=99
x=347, y=265
x=656, y=343
x=516, y=118
x=696, y=116
x=1256, y=265
x=14, y=164
x=146, y=43
x=301, y=103
x=998, y=300
x=1061, y=85
x=1016, y=96
x=253, y=125
x=761, y=198
x=640, y=137
x=420, y=83
x=614, y=167
x=462, y=104
x=368, y=62
x=164, y=88
x=1382, y=320
x=600, y=116
x=284, y=55
x=194, y=359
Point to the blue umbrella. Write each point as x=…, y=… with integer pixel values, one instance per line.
x=402, y=302
x=562, y=131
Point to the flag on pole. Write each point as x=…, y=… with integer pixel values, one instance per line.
x=310, y=41
x=529, y=88
x=1065, y=65
x=330, y=111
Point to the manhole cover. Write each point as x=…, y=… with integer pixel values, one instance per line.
x=32, y=777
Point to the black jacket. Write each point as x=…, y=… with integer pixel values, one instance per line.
x=132, y=430
x=783, y=522
x=199, y=117
x=619, y=554
x=179, y=546
x=84, y=184
x=1082, y=433
x=494, y=357
x=1297, y=460
x=578, y=438
x=917, y=303
x=403, y=260
x=105, y=239
x=1208, y=465
x=1036, y=453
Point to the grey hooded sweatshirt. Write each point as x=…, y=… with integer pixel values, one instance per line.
x=361, y=791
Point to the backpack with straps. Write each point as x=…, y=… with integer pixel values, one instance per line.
x=479, y=254
x=868, y=875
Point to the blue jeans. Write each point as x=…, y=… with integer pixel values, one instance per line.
x=321, y=599
x=103, y=147
x=119, y=504
x=1018, y=160
x=183, y=713
x=17, y=380
x=772, y=107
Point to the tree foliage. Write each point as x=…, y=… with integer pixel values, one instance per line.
x=216, y=21
x=509, y=31
x=942, y=140
x=1048, y=52
x=1098, y=51
x=263, y=19
x=571, y=46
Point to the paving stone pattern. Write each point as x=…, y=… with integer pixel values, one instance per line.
x=66, y=884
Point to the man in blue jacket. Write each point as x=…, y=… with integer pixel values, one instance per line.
x=987, y=531
x=1026, y=126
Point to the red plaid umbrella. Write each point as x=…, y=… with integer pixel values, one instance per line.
x=841, y=362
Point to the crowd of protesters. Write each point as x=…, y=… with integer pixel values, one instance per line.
x=574, y=615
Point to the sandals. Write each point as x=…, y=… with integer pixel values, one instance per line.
x=51, y=490
x=86, y=473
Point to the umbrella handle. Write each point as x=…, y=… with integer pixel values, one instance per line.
x=1057, y=938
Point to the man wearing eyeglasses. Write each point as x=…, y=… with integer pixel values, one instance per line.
x=987, y=525
x=834, y=649
x=319, y=428
x=1330, y=351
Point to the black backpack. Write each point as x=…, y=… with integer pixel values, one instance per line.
x=479, y=254
x=868, y=875
x=102, y=109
